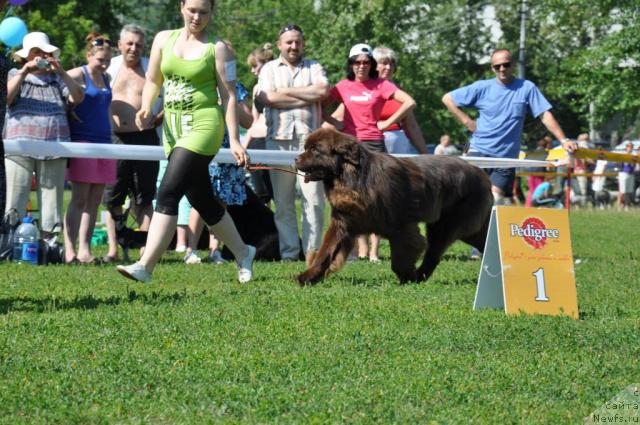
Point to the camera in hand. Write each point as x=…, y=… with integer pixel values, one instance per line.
x=42, y=64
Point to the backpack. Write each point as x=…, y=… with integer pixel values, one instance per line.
x=8, y=228
x=50, y=250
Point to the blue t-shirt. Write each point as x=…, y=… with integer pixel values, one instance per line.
x=502, y=111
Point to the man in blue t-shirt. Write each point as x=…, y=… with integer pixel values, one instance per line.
x=502, y=104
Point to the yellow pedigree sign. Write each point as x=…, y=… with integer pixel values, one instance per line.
x=551, y=155
x=527, y=264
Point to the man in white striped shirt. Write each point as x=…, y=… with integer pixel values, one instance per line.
x=291, y=88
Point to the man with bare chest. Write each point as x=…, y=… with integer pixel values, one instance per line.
x=136, y=179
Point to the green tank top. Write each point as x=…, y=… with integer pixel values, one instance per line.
x=193, y=119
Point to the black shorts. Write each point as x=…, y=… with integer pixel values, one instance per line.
x=138, y=178
x=374, y=145
x=502, y=178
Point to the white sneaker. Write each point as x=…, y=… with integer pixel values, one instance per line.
x=180, y=249
x=192, y=258
x=215, y=257
x=135, y=271
x=245, y=266
x=476, y=255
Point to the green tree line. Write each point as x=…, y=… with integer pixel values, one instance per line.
x=584, y=55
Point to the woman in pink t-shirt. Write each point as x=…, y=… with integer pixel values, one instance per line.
x=364, y=95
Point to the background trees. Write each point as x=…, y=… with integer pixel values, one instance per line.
x=585, y=55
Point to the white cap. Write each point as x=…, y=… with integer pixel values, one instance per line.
x=360, y=49
x=39, y=40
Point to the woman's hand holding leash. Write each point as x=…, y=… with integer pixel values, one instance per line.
x=239, y=153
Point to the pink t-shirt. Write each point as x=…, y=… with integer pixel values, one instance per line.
x=363, y=104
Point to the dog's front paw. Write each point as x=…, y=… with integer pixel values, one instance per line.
x=409, y=276
x=307, y=278
x=424, y=273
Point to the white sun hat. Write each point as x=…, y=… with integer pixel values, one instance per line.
x=39, y=40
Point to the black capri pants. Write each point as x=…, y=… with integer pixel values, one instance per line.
x=188, y=174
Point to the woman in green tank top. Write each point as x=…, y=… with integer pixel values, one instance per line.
x=193, y=67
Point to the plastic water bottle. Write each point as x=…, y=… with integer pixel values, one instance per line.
x=25, y=242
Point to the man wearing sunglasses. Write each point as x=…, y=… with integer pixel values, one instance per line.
x=291, y=88
x=502, y=103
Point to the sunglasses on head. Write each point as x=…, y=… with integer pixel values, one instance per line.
x=99, y=42
x=497, y=66
x=290, y=27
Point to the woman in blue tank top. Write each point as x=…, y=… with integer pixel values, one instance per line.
x=89, y=122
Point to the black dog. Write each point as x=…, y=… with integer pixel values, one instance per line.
x=256, y=225
x=127, y=237
x=254, y=221
x=378, y=193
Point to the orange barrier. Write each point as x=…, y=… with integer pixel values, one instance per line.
x=603, y=155
x=558, y=153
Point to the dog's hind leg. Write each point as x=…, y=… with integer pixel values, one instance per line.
x=440, y=236
x=477, y=240
x=474, y=228
x=125, y=254
x=406, y=246
x=468, y=220
x=120, y=221
x=331, y=256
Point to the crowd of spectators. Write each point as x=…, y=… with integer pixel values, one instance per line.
x=114, y=101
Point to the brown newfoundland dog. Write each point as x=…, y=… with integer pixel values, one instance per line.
x=378, y=193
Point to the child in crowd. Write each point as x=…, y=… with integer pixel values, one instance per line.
x=543, y=195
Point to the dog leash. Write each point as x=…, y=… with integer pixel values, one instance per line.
x=258, y=166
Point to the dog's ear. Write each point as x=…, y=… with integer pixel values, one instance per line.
x=348, y=148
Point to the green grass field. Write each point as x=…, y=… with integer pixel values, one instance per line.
x=83, y=345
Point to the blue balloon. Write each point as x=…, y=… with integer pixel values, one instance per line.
x=12, y=31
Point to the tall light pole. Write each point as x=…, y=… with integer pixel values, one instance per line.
x=523, y=36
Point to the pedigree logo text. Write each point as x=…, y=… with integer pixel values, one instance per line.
x=534, y=232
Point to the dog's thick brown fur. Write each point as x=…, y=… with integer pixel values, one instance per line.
x=378, y=193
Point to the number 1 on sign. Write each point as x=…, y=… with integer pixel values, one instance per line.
x=542, y=295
